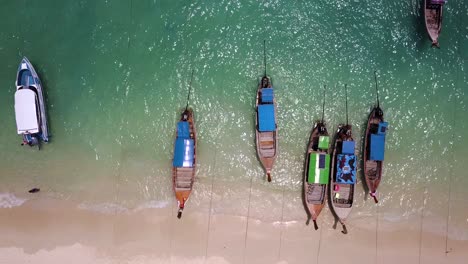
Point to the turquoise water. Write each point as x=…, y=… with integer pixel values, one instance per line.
x=116, y=77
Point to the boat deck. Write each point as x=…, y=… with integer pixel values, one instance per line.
x=267, y=144
x=315, y=193
x=183, y=179
x=342, y=196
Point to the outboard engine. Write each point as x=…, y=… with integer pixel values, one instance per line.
x=30, y=140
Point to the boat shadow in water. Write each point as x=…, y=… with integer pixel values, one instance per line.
x=361, y=162
x=45, y=94
x=304, y=168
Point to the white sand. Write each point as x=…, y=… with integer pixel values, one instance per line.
x=51, y=231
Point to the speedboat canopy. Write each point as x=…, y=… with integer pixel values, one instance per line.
x=26, y=112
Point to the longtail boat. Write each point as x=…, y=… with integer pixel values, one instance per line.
x=30, y=108
x=265, y=123
x=433, y=19
x=317, y=169
x=343, y=171
x=184, y=162
x=374, y=147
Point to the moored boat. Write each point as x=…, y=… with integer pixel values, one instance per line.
x=265, y=124
x=343, y=171
x=374, y=147
x=317, y=170
x=30, y=108
x=433, y=19
x=184, y=162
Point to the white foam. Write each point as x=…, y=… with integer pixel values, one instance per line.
x=152, y=204
x=285, y=223
x=9, y=200
x=112, y=208
x=105, y=208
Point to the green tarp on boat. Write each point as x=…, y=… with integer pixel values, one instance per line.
x=319, y=168
x=324, y=142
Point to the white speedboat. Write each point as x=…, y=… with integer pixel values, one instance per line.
x=30, y=110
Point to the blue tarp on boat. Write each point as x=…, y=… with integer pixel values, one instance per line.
x=382, y=128
x=267, y=95
x=266, y=118
x=183, y=153
x=348, y=147
x=346, y=168
x=183, y=130
x=377, y=147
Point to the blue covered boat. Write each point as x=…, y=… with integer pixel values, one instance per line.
x=343, y=171
x=374, y=146
x=374, y=150
x=184, y=161
x=265, y=125
x=30, y=108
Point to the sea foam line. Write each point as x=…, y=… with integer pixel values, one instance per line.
x=113, y=208
x=9, y=200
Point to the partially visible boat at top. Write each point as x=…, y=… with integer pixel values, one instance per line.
x=30, y=108
x=433, y=19
x=184, y=161
x=265, y=124
x=374, y=147
x=343, y=171
x=317, y=169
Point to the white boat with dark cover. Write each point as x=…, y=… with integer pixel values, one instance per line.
x=30, y=110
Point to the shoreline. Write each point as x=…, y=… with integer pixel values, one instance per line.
x=154, y=235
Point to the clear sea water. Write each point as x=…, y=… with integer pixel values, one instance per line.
x=116, y=77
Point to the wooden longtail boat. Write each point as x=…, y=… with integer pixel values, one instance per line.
x=343, y=171
x=184, y=162
x=317, y=169
x=433, y=19
x=374, y=147
x=265, y=124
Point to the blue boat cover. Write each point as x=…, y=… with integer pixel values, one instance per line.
x=377, y=147
x=348, y=147
x=346, y=169
x=382, y=128
x=266, y=118
x=183, y=153
x=183, y=130
x=267, y=95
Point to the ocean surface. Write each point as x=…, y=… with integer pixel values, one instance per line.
x=116, y=75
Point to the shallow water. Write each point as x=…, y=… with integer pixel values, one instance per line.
x=116, y=77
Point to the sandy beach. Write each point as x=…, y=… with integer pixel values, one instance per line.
x=44, y=230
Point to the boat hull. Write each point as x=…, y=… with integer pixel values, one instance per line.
x=372, y=169
x=266, y=142
x=433, y=20
x=184, y=177
x=315, y=194
x=341, y=195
